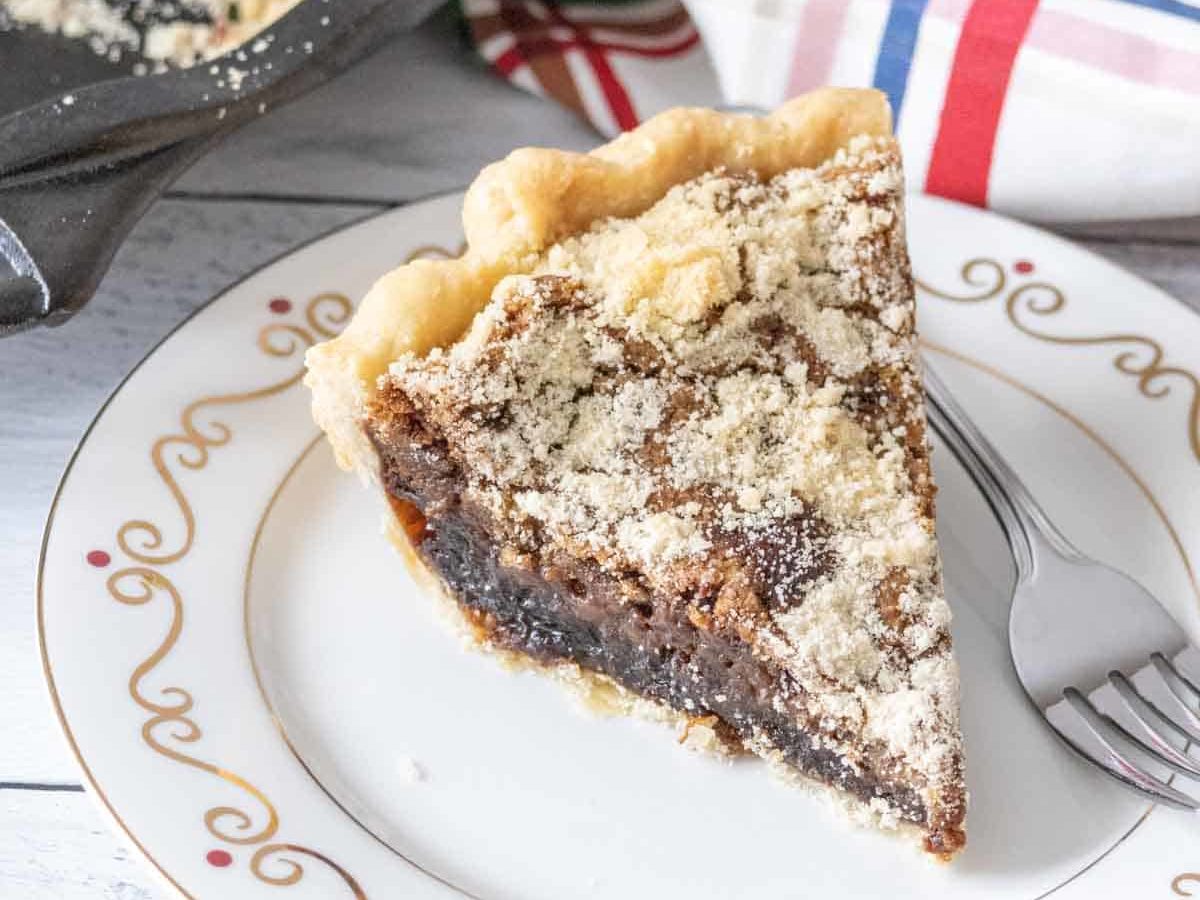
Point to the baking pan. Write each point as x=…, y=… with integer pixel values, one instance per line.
x=86, y=148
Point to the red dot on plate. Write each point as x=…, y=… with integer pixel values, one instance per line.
x=1023, y=266
x=98, y=558
x=280, y=305
x=219, y=858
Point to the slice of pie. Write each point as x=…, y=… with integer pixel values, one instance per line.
x=662, y=427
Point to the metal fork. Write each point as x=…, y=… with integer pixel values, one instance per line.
x=1093, y=649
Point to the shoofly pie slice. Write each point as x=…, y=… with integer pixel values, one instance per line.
x=662, y=427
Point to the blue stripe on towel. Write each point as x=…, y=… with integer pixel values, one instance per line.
x=896, y=50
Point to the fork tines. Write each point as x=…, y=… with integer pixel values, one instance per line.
x=1162, y=709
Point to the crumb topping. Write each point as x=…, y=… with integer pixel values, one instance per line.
x=718, y=401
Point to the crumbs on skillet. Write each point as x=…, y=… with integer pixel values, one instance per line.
x=153, y=34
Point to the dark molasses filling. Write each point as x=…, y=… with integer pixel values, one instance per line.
x=576, y=612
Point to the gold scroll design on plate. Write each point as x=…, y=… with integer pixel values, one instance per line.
x=1143, y=359
x=142, y=540
x=170, y=730
x=436, y=251
x=1180, y=880
x=1139, y=356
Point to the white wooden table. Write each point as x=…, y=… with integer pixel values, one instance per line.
x=419, y=118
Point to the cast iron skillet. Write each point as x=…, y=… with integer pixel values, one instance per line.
x=77, y=170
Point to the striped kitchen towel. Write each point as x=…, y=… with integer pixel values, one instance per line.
x=1051, y=110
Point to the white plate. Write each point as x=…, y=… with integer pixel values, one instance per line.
x=267, y=706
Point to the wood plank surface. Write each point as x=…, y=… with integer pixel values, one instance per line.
x=54, y=845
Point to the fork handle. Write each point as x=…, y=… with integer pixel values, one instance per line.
x=1020, y=515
